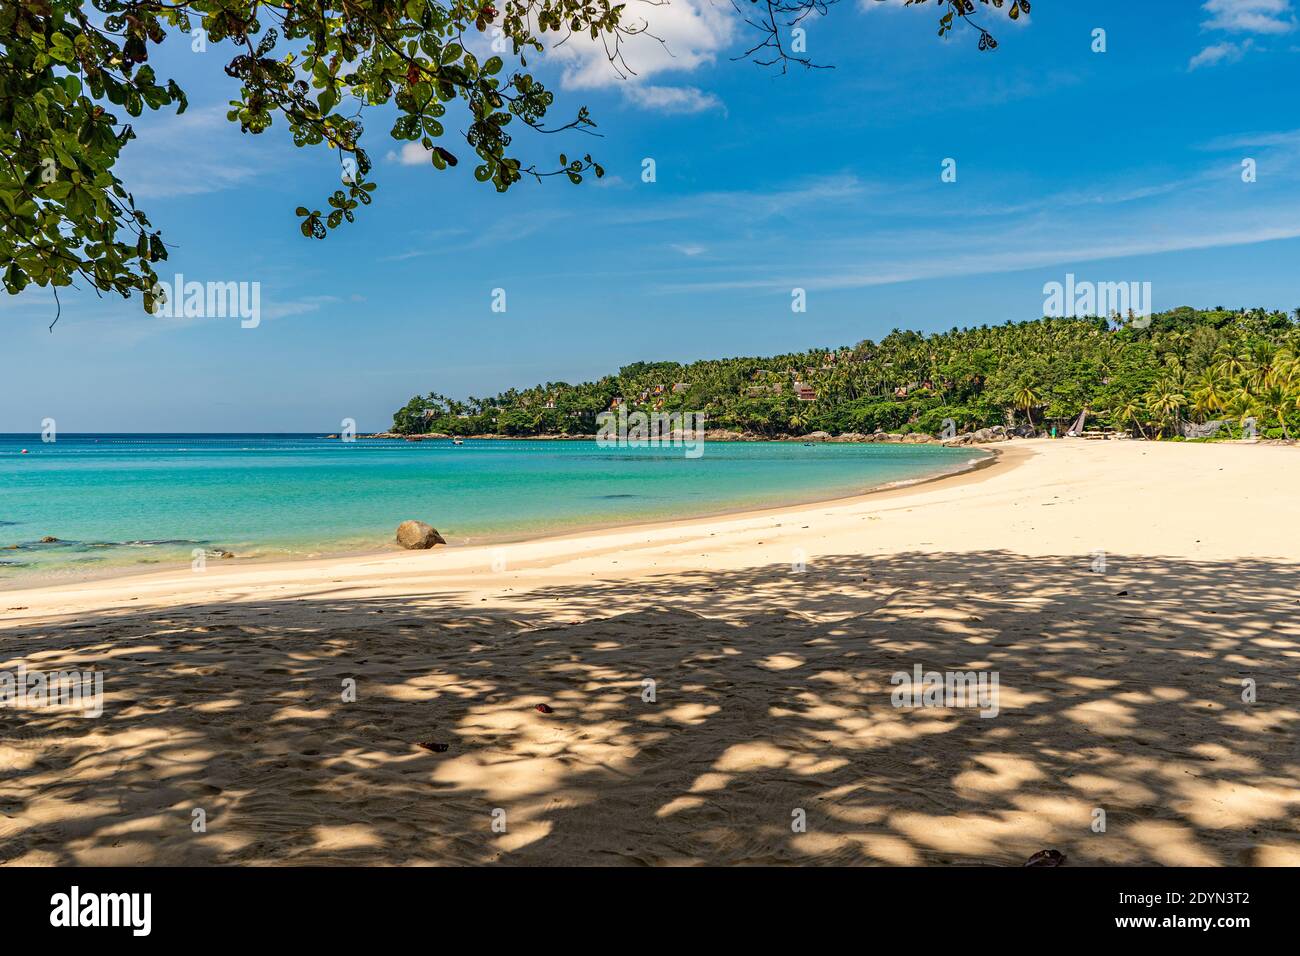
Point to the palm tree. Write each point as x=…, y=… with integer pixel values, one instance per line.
x=1129, y=411
x=1208, y=395
x=1278, y=400
x=1166, y=402
x=1027, y=399
x=1232, y=366
x=1241, y=404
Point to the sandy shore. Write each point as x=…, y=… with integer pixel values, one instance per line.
x=770, y=638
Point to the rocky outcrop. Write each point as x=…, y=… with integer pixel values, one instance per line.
x=982, y=436
x=1206, y=430
x=418, y=536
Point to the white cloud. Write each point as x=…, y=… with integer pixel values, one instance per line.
x=1285, y=138
x=1241, y=16
x=1249, y=16
x=672, y=99
x=751, y=206
x=216, y=155
x=411, y=154
x=689, y=248
x=1226, y=52
x=670, y=37
x=311, y=303
x=1042, y=249
x=867, y=239
x=679, y=36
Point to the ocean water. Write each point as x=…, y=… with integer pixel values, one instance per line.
x=147, y=501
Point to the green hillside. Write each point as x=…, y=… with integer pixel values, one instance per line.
x=1188, y=365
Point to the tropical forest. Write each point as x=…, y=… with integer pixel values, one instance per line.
x=1165, y=376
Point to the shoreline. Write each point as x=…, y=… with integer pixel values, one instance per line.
x=133, y=571
x=772, y=640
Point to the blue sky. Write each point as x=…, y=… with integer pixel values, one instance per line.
x=1116, y=166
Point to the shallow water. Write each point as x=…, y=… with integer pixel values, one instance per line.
x=117, y=501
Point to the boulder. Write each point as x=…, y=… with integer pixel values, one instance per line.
x=417, y=536
x=1207, y=430
x=985, y=435
x=917, y=438
x=817, y=436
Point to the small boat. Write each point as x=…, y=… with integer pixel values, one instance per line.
x=458, y=441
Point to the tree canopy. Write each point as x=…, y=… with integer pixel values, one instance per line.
x=1187, y=366
x=74, y=74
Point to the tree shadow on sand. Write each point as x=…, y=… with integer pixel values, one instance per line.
x=1129, y=703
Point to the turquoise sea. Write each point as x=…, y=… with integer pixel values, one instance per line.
x=118, y=501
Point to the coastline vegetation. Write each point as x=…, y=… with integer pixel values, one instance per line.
x=1153, y=378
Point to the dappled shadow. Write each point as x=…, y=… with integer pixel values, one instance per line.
x=1119, y=691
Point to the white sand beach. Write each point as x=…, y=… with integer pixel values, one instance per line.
x=1121, y=591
